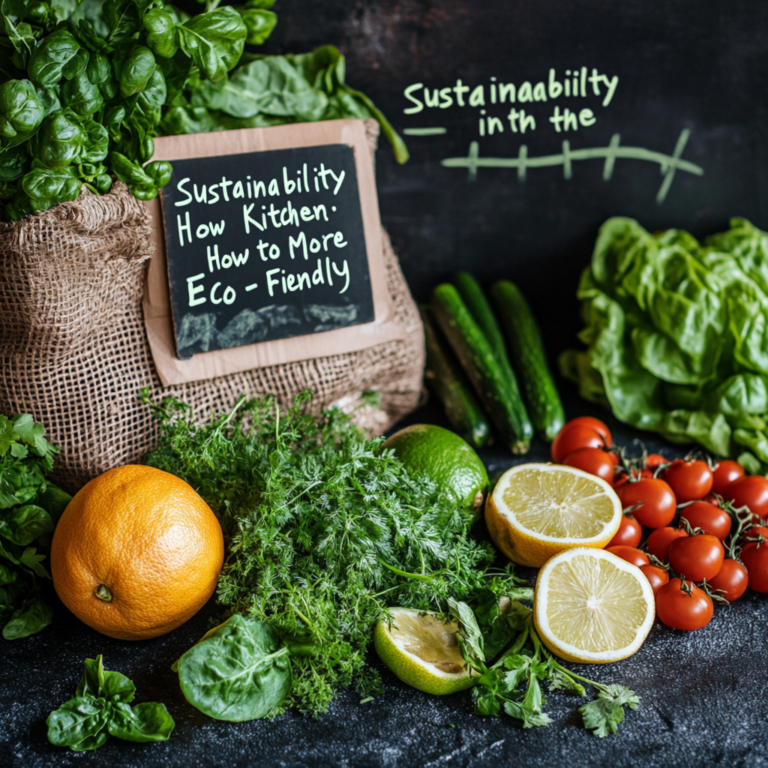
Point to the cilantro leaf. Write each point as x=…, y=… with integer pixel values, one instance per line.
x=606, y=712
x=559, y=681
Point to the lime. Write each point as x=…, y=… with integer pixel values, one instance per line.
x=422, y=651
x=446, y=459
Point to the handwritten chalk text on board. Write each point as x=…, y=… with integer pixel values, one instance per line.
x=265, y=245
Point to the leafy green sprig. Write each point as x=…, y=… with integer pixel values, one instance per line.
x=512, y=683
x=325, y=529
x=101, y=708
x=29, y=507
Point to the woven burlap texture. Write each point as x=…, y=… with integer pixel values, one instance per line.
x=74, y=351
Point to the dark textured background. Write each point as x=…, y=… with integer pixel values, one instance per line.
x=681, y=63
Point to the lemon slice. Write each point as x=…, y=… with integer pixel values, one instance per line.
x=422, y=651
x=538, y=510
x=593, y=607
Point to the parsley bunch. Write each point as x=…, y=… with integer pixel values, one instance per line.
x=325, y=530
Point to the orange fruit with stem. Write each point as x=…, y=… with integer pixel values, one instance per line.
x=136, y=553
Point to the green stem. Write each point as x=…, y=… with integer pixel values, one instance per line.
x=405, y=574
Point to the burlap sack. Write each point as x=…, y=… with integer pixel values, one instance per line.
x=74, y=352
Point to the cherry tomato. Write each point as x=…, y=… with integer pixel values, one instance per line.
x=724, y=474
x=752, y=492
x=689, y=480
x=755, y=558
x=657, y=498
x=687, y=610
x=654, y=461
x=657, y=576
x=709, y=518
x=596, y=424
x=732, y=580
x=753, y=534
x=659, y=541
x=630, y=533
x=592, y=460
x=630, y=554
x=614, y=457
x=710, y=498
x=570, y=439
x=697, y=557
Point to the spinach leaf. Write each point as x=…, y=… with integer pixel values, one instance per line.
x=214, y=41
x=33, y=616
x=239, y=672
x=101, y=708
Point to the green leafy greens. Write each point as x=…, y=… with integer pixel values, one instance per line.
x=101, y=708
x=29, y=509
x=512, y=683
x=677, y=335
x=325, y=529
x=85, y=87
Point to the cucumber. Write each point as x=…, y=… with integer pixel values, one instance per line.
x=476, y=302
x=446, y=379
x=497, y=392
x=529, y=358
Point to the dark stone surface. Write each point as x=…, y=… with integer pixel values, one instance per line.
x=703, y=700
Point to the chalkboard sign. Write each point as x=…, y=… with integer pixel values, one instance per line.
x=264, y=246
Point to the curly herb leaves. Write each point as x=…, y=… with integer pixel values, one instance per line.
x=101, y=708
x=325, y=530
x=512, y=682
x=29, y=509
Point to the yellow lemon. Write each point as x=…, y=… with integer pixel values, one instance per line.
x=592, y=607
x=422, y=651
x=538, y=510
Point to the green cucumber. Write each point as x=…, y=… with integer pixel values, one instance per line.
x=529, y=358
x=476, y=302
x=497, y=392
x=445, y=378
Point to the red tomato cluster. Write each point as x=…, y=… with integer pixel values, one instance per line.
x=710, y=503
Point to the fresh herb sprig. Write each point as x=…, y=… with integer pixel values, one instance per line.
x=512, y=683
x=101, y=708
x=29, y=507
x=325, y=530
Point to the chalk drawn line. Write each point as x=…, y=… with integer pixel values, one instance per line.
x=668, y=164
x=424, y=131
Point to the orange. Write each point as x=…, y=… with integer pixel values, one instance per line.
x=136, y=553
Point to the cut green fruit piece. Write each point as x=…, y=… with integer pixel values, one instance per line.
x=446, y=459
x=423, y=652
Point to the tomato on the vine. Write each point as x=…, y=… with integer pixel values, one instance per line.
x=753, y=534
x=654, y=461
x=708, y=517
x=725, y=472
x=755, y=558
x=697, y=557
x=592, y=423
x=630, y=533
x=593, y=460
x=750, y=491
x=657, y=499
x=689, y=610
x=659, y=541
x=732, y=580
x=689, y=480
x=657, y=576
x=630, y=554
x=570, y=439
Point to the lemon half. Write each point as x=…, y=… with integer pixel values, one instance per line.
x=538, y=510
x=592, y=607
x=422, y=651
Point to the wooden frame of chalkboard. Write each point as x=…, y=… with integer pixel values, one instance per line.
x=173, y=368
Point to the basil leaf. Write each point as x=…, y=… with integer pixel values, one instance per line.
x=22, y=525
x=46, y=188
x=122, y=19
x=33, y=616
x=14, y=163
x=80, y=723
x=136, y=70
x=239, y=673
x=214, y=41
x=60, y=142
x=162, y=36
x=259, y=23
x=20, y=107
x=92, y=681
x=154, y=93
x=145, y=722
x=95, y=142
x=81, y=96
x=53, y=53
x=117, y=687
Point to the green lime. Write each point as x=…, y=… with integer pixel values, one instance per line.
x=446, y=459
x=422, y=651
